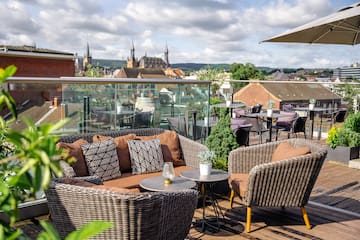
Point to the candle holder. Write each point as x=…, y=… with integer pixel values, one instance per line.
x=168, y=173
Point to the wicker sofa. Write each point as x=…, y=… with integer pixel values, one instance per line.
x=262, y=182
x=136, y=215
x=165, y=215
x=189, y=150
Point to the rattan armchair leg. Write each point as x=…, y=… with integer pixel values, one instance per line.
x=232, y=195
x=248, y=219
x=306, y=218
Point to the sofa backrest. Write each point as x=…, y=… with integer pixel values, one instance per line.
x=114, y=133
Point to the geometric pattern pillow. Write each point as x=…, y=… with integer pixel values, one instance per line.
x=102, y=160
x=146, y=156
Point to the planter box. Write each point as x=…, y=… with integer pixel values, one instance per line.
x=29, y=210
x=342, y=154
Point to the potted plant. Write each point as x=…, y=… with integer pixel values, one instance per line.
x=269, y=110
x=312, y=102
x=205, y=165
x=344, y=141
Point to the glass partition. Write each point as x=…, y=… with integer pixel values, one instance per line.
x=94, y=105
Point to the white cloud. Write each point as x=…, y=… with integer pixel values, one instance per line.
x=208, y=31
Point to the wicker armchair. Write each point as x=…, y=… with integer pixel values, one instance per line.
x=165, y=215
x=285, y=183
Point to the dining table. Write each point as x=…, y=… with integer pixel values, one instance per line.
x=269, y=120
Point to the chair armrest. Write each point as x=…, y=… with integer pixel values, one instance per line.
x=68, y=171
x=92, y=179
x=243, y=159
x=190, y=150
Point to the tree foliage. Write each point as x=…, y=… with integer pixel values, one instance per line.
x=245, y=71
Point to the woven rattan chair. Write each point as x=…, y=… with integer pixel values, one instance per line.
x=148, y=215
x=285, y=183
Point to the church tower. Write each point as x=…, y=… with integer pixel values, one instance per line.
x=87, y=58
x=131, y=63
x=166, y=56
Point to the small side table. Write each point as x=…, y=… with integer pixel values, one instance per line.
x=156, y=184
x=208, y=182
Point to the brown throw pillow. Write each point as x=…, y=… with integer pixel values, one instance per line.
x=75, y=151
x=170, y=146
x=285, y=151
x=98, y=138
x=122, y=149
x=116, y=189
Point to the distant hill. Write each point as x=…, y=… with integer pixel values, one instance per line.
x=188, y=67
x=110, y=64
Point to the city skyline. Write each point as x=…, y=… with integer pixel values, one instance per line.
x=207, y=31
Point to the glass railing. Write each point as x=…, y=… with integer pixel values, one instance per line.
x=98, y=104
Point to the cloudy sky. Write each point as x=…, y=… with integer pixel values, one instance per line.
x=201, y=31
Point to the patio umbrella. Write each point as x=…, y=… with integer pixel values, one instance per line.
x=341, y=27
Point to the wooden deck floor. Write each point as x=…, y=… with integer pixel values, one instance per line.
x=334, y=212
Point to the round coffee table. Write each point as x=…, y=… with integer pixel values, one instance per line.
x=156, y=184
x=208, y=182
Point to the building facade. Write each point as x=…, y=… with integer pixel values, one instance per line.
x=347, y=73
x=37, y=62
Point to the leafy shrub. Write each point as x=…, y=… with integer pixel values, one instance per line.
x=333, y=137
x=353, y=122
x=348, y=135
x=222, y=140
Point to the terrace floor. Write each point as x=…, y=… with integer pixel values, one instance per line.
x=334, y=212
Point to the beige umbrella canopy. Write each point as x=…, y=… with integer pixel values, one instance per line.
x=341, y=27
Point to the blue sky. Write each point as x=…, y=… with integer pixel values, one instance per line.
x=201, y=31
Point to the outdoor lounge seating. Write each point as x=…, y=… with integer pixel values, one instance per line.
x=182, y=151
x=150, y=215
x=275, y=174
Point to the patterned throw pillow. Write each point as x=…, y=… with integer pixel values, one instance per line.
x=102, y=159
x=146, y=156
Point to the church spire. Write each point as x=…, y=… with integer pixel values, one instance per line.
x=166, y=55
x=132, y=52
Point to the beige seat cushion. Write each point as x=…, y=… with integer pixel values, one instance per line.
x=129, y=181
x=285, y=151
x=75, y=151
x=239, y=183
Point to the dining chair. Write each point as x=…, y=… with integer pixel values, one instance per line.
x=241, y=129
x=297, y=126
x=178, y=124
x=257, y=125
x=256, y=108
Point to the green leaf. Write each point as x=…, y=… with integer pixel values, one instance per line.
x=10, y=103
x=89, y=230
x=10, y=71
x=49, y=234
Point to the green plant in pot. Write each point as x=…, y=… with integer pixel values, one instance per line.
x=312, y=102
x=344, y=141
x=205, y=164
